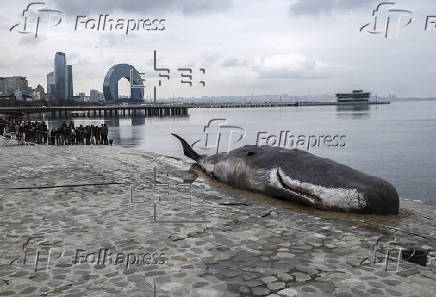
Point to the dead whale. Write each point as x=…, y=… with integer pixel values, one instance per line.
x=299, y=176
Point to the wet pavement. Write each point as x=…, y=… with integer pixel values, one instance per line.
x=109, y=221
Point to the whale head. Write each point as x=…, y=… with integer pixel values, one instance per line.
x=318, y=196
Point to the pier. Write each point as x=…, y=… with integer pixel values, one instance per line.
x=160, y=110
x=101, y=110
x=282, y=104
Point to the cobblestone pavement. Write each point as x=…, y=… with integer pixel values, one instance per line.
x=179, y=233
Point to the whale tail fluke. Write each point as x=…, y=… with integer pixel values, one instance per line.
x=187, y=150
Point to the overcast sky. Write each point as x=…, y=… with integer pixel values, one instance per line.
x=262, y=47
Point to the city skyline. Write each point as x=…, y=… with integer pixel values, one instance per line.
x=279, y=47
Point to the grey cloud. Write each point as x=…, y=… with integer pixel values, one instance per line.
x=233, y=62
x=108, y=40
x=283, y=74
x=210, y=59
x=317, y=7
x=74, y=7
x=288, y=66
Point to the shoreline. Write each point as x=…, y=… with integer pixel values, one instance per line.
x=250, y=245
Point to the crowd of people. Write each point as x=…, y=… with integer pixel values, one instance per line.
x=71, y=135
x=66, y=134
x=28, y=131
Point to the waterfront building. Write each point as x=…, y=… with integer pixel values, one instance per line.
x=70, y=81
x=117, y=72
x=60, y=81
x=355, y=96
x=8, y=85
x=61, y=76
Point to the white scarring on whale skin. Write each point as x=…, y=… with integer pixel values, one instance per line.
x=330, y=197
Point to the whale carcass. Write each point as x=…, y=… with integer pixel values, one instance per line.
x=299, y=176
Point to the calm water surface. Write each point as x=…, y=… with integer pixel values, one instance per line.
x=396, y=141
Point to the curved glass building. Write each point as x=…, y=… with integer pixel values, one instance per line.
x=115, y=73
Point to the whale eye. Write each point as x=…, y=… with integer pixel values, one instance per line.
x=250, y=153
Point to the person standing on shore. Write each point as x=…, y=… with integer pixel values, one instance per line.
x=104, y=133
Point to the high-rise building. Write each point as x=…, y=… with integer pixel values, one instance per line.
x=51, y=86
x=70, y=81
x=60, y=81
x=8, y=85
x=61, y=76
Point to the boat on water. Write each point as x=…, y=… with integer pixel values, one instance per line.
x=355, y=96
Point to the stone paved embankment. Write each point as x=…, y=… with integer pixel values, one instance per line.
x=61, y=238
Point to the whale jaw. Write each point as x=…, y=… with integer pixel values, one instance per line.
x=315, y=195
